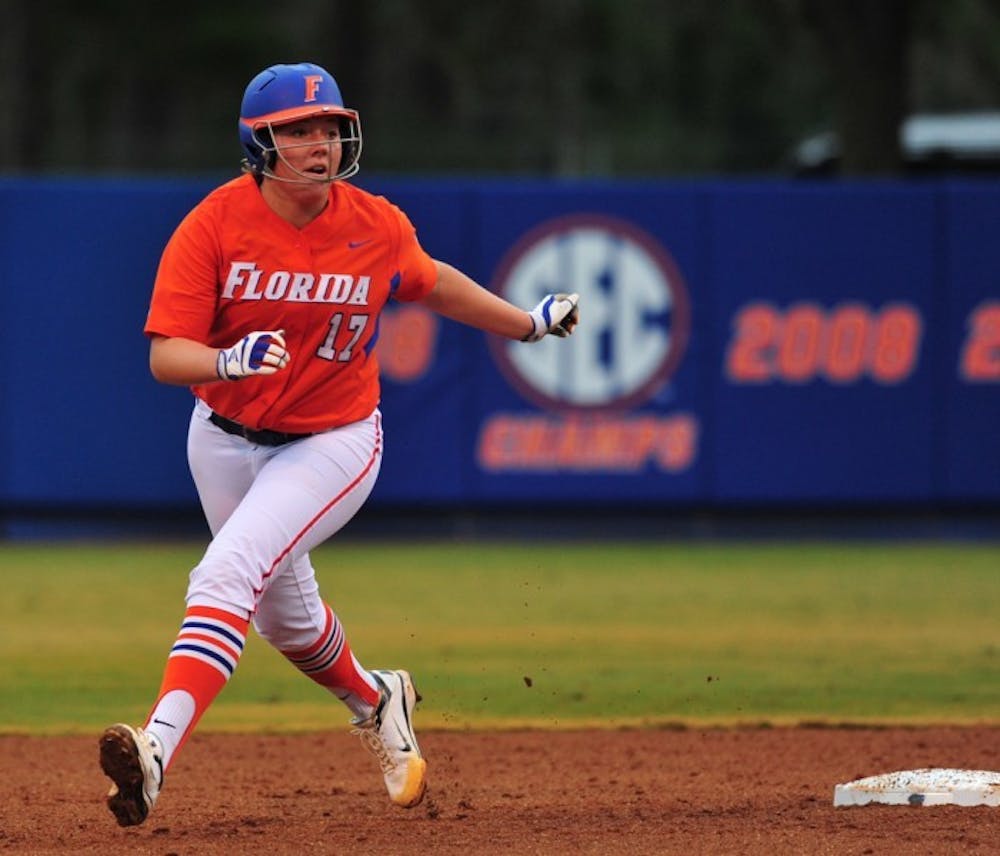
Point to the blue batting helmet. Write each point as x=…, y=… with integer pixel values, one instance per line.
x=287, y=93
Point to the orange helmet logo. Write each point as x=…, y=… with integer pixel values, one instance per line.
x=312, y=86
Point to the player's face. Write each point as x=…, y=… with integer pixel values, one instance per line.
x=309, y=147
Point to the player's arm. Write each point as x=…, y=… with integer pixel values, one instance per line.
x=185, y=362
x=460, y=298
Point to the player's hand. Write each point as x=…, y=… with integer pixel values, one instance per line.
x=259, y=353
x=556, y=315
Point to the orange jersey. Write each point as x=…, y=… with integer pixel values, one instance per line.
x=234, y=266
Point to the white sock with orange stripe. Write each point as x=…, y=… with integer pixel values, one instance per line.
x=203, y=658
x=330, y=663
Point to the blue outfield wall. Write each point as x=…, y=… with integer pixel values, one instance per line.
x=742, y=343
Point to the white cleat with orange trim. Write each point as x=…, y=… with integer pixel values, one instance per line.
x=388, y=735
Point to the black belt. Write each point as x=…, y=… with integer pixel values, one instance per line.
x=261, y=438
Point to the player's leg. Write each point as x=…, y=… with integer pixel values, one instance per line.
x=292, y=616
x=213, y=631
x=205, y=652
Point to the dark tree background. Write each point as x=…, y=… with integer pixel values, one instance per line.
x=532, y=87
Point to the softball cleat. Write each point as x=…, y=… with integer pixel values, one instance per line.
x=133, y=760
x=388, y=735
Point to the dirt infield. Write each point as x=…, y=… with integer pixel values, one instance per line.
x=745, y=791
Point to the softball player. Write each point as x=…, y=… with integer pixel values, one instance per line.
x=266, y=303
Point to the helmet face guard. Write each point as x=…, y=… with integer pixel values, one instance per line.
x=287, y=93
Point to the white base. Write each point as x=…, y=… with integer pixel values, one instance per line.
x=922, y=787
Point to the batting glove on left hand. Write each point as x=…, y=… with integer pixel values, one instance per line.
x=557, y=315
x=259, y=353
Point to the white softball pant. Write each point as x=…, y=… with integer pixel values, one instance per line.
x=267, y=507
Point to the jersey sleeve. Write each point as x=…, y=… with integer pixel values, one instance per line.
x=185, y=293
x=417, y=271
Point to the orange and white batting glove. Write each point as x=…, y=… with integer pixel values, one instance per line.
x=556, y=315
x=259, y=353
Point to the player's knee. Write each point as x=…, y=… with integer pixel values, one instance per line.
x=222, y=585
x=283, y=634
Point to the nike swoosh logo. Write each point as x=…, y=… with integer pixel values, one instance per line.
x=169, y=725
x=353, y=245
x=406, y=747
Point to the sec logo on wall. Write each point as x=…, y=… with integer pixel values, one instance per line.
x=634, y=330
x=633, y=302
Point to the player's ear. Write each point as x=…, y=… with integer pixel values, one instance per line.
x=266, y=141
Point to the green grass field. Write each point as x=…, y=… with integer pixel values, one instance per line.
x=544, y=635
